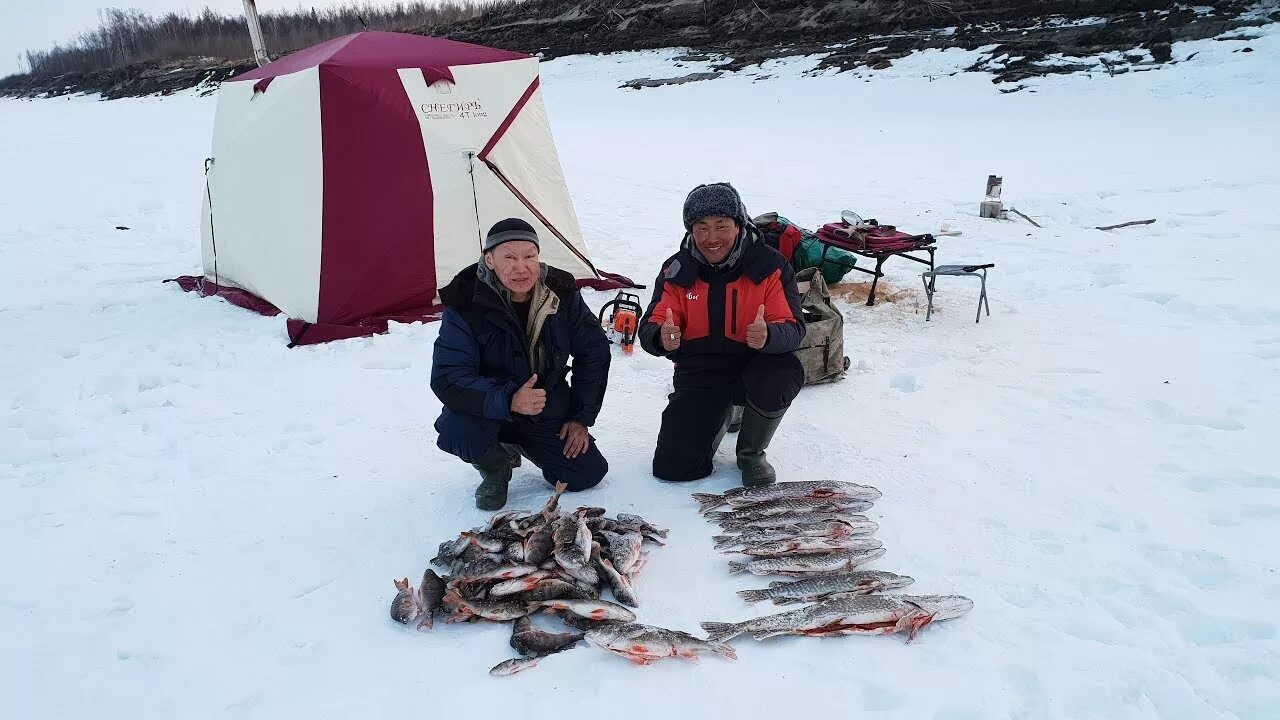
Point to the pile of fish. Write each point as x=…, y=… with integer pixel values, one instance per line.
x=524, y=563
x=813, y=531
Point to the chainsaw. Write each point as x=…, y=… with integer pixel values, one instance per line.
x=624, y=320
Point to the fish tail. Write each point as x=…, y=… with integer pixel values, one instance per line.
x=722, y=649
x=737, y=567
x=726, y=541
x=708, y=501
x=718, y=632
x=753, y=596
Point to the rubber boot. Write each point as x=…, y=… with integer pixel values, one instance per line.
x=735, y=420
x=757, y=430
x=724, y=426
x=515, y=453
x=495, y=473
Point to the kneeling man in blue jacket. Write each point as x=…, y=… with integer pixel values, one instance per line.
x=511, y=327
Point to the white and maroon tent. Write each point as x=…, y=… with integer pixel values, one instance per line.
x=351, y=180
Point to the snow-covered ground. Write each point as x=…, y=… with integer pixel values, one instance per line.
x=198, y=522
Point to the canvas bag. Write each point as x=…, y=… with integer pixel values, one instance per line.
x=821, y=353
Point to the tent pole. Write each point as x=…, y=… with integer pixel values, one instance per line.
x=475, y=199
x=536, y=213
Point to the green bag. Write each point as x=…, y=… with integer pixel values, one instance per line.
x=809, y=253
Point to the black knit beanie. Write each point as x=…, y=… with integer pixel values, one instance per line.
x=508, y=230
x=715, y=199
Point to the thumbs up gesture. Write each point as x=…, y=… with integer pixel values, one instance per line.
x=670, y=333
x=527, y=400
x=758, y=331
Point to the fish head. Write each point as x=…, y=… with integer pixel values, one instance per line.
x=893, y=580
x=941, y=607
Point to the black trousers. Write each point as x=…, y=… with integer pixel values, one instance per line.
x=705, y=386
x=470, y=438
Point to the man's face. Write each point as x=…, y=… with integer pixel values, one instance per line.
x=714, y=237
x=516, y=265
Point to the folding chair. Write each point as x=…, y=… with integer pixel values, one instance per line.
x=977, y=271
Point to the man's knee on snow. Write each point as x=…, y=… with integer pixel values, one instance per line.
x=583, y=473
x=681, y=465
x=467, y=437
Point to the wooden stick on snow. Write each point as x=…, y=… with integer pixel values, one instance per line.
x=1135, y=222
x=1024, y=217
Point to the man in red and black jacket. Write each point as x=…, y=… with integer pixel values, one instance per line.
x=726, y=310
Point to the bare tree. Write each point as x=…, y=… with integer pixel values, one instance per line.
x=124, y=37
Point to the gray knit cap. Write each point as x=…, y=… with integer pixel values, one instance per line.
x=508, y=230
x=715, y=199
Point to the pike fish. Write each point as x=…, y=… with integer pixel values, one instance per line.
x=829, y=528
x=740, y=497
x=789, y=505
x=862, y=615
x=800, y=565
x=791, y=518
x=807, y=546
x=824, y=587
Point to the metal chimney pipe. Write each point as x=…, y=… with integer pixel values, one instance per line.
x=255, y=33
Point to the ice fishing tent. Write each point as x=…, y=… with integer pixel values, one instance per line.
x=351, y=180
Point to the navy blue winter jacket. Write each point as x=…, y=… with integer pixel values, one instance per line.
x=481, y=357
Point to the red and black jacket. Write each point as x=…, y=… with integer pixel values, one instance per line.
x=713, y=307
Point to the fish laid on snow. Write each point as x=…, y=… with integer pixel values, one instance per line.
x=792, y=518
x=462, y=568
x=407, y=605
x=862, y=615
x=829, y=528
x=533, y=645
x=806, y=546
x=538, y=544
x=618, y=583
x=513, y=666
x=521, y=584
x=789, y=505
x=554, y=588
x=639, y=523
x=624, y=549
x=643, y=644
x=431, y=592
x=549, y=510
x=569, y=551
x=497, y=572
x=577, y=566
x=500, y=610
x=822, y=587
x=587, y=609
x=449, y=551
x=740, y=497
x=808, y=564
x=530, y=641
x=420, y=603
